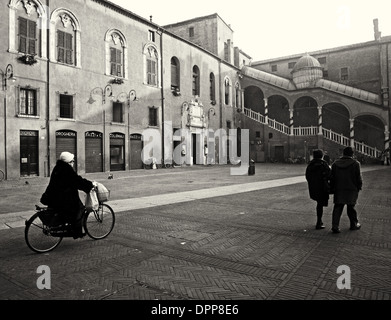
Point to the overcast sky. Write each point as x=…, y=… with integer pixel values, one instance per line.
x=276, y=28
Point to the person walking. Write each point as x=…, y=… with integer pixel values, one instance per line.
x=346, y=183
x=62, y=192
x=317, y=175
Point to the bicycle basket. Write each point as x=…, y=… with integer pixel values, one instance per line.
x=103, y=196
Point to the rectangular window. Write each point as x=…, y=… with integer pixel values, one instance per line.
x=291, y=65
x=191, y=32
x=28, y=102
x=274, y=67
x=115, y=62
x=64, y=47
x=153, y=117
x=27, y=36
x=322, y=60
x=117, y=112
x=151, y=36
x=344, y=74
x=66, y=106
x=325, y=74
x=151, y=72
x=257, y=134
x=226, y=51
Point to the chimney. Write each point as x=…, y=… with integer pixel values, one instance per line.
x=377, y=34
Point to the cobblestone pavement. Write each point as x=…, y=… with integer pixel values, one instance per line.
x=255, y=242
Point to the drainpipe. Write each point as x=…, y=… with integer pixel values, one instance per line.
x=220, y=96
x=5, y=137
x=48, y=90
x=160, y=32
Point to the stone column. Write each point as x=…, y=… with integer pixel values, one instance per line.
x=320, y=121
x=291, y=122
x=351, y=135
x=266, y=112
x=386, y=137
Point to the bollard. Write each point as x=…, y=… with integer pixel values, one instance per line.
x=251, y=168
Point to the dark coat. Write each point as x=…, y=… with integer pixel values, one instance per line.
x=317, y=175
x=346, y=180
x=62, y=191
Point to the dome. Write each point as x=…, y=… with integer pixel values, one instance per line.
x=306, y=72
x=306, y=62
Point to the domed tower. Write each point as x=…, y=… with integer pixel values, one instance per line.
x=306, y=72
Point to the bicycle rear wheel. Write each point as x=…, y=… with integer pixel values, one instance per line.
x=38, y=237
x=99, y=223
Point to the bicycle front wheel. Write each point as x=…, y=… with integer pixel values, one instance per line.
x=38, y=237
x=99, y=223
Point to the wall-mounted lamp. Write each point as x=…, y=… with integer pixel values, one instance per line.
x=211, y=112
x=107, y=92
x=132, y=96
x=8, y=75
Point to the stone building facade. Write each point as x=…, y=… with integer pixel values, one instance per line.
x=101, y=82
x=91, y=77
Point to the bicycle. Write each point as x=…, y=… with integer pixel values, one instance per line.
x=45, y=230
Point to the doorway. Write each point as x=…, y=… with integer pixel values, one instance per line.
x=28, y=153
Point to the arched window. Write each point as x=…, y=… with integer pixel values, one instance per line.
x=212, y=87
x=116, y=53
x=196, y=81
x=238, y=99
x=65, y=38
x=175, y=75
x=227, y=86
x=151, y=65
x=27, y=28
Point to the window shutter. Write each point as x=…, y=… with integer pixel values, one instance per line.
x=32, y=33
x=118, y=56
x=23, y=27
x=112, y=55
x=60, y=46
x=68, y=47
x=153, y=72
x=119, y=63
x=60, y=38
x=22, y=35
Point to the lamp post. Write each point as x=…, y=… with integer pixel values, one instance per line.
x=8, y=74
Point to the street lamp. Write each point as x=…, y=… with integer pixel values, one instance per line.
x=107, y=92
x=8, y=75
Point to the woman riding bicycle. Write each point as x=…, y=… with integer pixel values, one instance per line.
x=62, y=192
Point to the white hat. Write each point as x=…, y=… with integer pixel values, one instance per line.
x=66, y=156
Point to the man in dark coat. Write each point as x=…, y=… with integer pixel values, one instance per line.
x=62, y=192
x=346, y=182
x=317, y=175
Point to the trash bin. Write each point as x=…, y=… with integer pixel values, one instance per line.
x=251, y=168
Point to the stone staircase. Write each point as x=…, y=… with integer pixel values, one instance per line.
x=328, y=134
